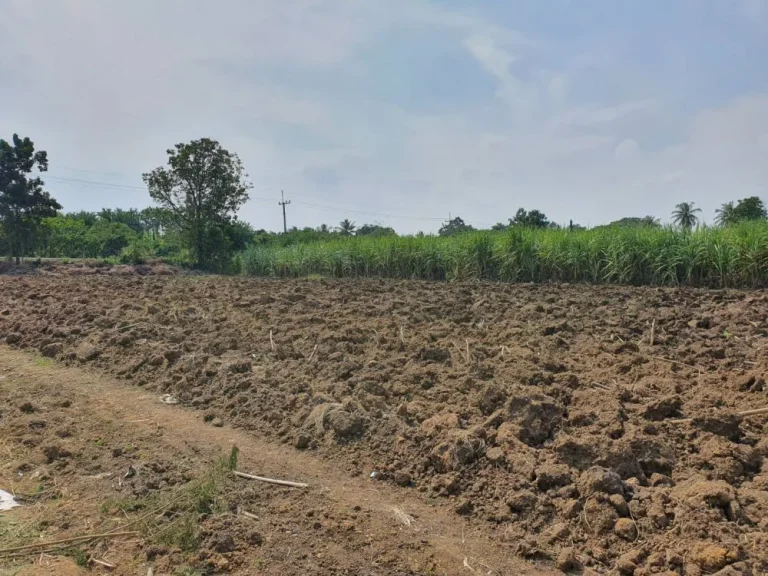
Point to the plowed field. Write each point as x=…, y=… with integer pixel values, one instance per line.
x=589, y=428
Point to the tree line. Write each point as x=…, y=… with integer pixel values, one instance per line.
x=197, y=195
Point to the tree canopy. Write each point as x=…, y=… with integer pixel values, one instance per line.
x=454, y=226
x=684, y=215
x=347, y=227
x=751, y=208
x=23, y=202
x=202, y=188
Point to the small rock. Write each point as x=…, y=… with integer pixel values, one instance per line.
x=240, y=366
x=117, y=452
x=553, y=476
x=520, y=501
x=625, y=528
x=13, y=338
x=663, y=408
x=710, y=557
x=495, y=455
x=657, y=480
x=402, y=478
x=156, y=360
x=618, y=502
x=218, y=422
x=625, y=566
x=172, y=355
x=302, y=441
x=88, y=352
x=224, y=543
x=571, y=509
x=5, y=312
x=599, y=479
x=255, y=538
x=464, y=507
x=554, y=533
x=566, y=560
x=656, y=559
x=51, y=350
x=674, y=559
x=440, y=422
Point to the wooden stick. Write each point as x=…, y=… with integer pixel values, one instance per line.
x=653, y=331
x=248, y=515
x=469, y=356
x=67, y=541
x=755, y=412
x=313, y=353
x=271, y=342
x=271, y=480
x=102, y=563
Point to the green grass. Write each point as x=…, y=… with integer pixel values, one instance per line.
x=709, y=257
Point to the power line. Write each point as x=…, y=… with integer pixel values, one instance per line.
x=96, y=183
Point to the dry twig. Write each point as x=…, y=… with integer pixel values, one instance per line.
x=755, y=412
x=271, y=480
x=78, y=539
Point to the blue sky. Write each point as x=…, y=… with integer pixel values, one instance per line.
x=400, y=112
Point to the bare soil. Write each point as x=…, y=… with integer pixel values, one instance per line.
x=544, y=417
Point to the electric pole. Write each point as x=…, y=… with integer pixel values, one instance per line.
x=283, y=203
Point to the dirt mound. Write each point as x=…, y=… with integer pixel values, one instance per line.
x=543, y=410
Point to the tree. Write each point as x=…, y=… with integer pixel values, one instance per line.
x=751, y=208
x=726, y=214
x=23, y=202
x=635, y=221
x=684, y=215
x=202, y=188
x=746, y=209
x=346, y=227
x=532, y=219
x=454, y=226
x=375, y=230
x=499, y=226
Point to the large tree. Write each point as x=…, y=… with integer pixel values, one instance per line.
x=746, y=209
x=202, y=188
x=454, y=226
x=684, y=215
x=23, y=202
x=532, y=219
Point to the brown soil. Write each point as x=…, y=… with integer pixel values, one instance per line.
x=541, y=415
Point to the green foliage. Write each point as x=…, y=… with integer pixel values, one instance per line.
x=23, y=202
x=532, y=219
x=634, y=221
x=640, y=255
x=454, y=226
x=747, y=209
x=346, y=227
x=375, y=230
x=684, y=215
x=202, y=189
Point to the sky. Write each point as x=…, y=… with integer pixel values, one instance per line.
x=399, y=112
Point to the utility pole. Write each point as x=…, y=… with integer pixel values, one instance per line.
x=283, y=203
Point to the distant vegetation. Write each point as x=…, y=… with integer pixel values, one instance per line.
x=199, y=191
x=735, y=256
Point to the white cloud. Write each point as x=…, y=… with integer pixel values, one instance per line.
x=108, y=86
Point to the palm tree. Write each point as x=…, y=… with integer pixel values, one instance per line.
x=685, y=215
x=726, y=214
x=649, y=221
x=346, y=228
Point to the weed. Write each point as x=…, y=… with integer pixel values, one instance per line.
x=43, y=362
x=78, y=555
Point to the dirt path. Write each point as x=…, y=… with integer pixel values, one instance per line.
x=80, y=445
